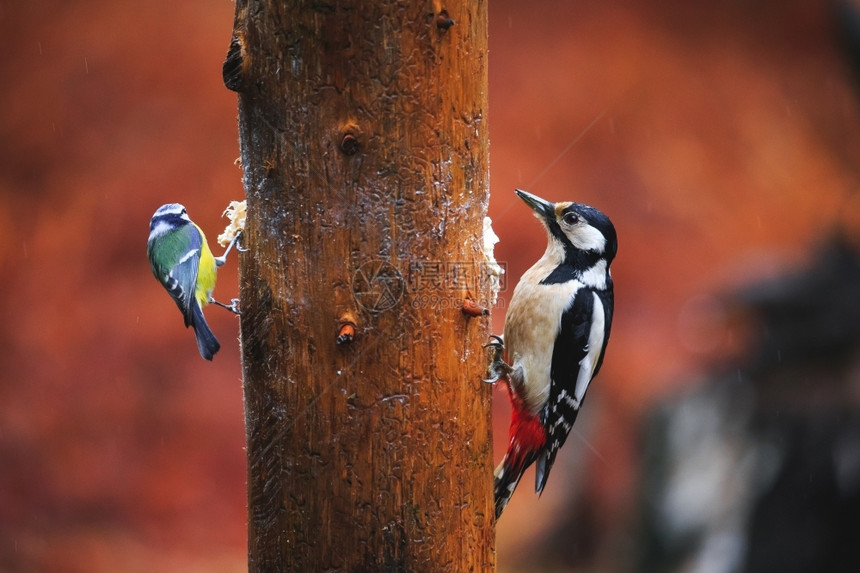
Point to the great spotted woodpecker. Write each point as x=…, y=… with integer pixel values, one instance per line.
x=556, y=330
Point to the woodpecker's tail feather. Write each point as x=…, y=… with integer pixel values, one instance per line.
x=528, y=438
x=542, y=467
x=507, y=476
x=206, y=341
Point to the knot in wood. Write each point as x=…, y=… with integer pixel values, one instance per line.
x=349, y=144
x=443, y=20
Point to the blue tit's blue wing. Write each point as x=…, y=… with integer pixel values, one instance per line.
x=181, y=280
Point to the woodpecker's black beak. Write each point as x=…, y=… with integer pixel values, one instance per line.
x=542, y=207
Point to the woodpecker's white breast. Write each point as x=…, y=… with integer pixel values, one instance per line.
x=531, y=326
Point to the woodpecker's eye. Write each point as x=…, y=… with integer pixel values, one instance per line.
x=570, y=218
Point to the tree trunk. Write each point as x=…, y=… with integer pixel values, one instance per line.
x=364, y=146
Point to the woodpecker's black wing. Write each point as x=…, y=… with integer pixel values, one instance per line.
x=568, y=358
x=607, y=299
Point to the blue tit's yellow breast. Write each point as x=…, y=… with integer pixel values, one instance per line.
x=206, y=272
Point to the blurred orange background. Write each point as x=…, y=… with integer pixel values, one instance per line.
x=721, y=138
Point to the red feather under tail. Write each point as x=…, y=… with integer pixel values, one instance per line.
x=527, y=440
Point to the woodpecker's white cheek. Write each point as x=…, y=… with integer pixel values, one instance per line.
x=587, y=238
x=595, y=277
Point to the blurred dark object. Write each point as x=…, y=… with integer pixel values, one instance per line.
x=809, y=320
x=758, y=469
x=848, y=22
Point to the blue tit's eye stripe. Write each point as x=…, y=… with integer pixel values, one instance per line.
x=167, y=221
x=159, y=226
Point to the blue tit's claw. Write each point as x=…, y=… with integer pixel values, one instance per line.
x=233, y=307
x=219, y=261
x=239, y=246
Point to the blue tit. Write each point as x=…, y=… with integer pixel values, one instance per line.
x=183, y=263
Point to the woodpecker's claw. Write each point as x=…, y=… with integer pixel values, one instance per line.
x=498, y=368
x=496, y=342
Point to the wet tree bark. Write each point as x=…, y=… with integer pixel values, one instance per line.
x=364, y=145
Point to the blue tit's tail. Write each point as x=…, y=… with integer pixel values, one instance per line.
x=206, y=341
